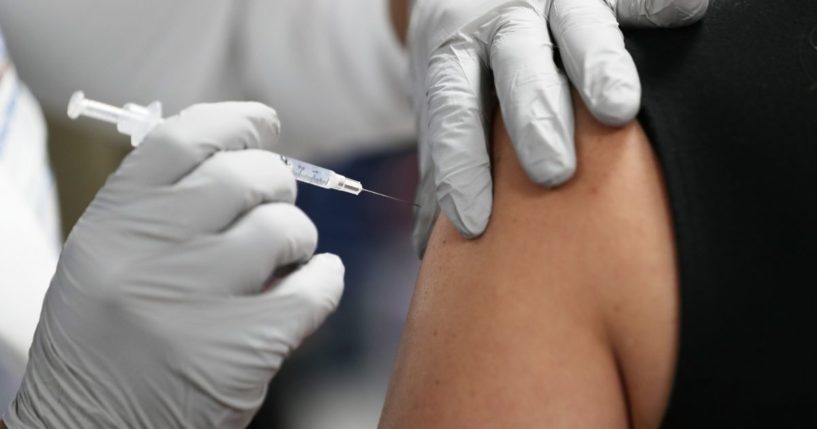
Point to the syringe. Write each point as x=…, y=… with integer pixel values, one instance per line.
x=137, y=121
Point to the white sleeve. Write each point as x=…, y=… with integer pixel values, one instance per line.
x=333, y=69
x=29, y=229
x=27, y=262
x=122, y=51
x=28, y=257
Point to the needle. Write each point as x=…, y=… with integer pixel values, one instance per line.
x=391, y=198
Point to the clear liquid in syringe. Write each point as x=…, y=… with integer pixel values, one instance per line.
x=309, y=173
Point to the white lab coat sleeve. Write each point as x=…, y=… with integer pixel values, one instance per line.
x=30, y=236
x=333, y=69
x=27, y=262
x=121, y=51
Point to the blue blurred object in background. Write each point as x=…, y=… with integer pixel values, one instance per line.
x=339, y=377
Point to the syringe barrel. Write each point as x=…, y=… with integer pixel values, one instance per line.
x=103, y=112
x=309, y=173
x=321, y=177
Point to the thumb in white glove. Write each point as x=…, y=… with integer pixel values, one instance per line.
x=455, y=44
x=164, y=311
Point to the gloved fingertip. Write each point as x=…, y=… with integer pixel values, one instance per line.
x=422, y=225
x=551, y=172
x=420, y=242
x=545, y=146
x=326, y=281
x=472, y=231
x=331, y=262
x=469, y=215
x=691, y=11
x=264, y=114
x=617, y=103
x=425, y=212
x=665, y=13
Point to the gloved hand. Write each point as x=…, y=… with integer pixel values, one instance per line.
x=453, y=45
x=164, y=311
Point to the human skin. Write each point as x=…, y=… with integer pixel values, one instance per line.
x=564, y=314
x=400, y=18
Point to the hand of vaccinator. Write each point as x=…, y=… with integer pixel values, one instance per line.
x=169, y=307
x=456, y=46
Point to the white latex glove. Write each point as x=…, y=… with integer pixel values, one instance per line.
x=455, y=44
x=162, y=312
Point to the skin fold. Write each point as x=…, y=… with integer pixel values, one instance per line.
x=564, y=314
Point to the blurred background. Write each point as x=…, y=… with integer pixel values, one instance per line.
x=338, y=378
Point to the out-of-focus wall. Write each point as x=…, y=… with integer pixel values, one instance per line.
x=83, y=154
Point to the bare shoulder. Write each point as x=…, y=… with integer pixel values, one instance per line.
x=564, y=314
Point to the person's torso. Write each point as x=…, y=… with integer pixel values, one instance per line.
x=30, y=235
x=730, y=106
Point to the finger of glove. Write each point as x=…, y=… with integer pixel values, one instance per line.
x=224, y=187
x=660, y=13
x=299, y=303
x=425, y=213
x=242, y=259
x=177, y=146
x=457, y=136
x=594, y=56
x=534, y=96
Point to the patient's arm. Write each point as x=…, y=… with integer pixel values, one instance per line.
x=563, y=315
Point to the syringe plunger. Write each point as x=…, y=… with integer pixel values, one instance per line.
x=131, y=119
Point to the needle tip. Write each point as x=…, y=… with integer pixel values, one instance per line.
x=391, y=198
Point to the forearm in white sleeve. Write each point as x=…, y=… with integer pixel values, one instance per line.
x=333, y=69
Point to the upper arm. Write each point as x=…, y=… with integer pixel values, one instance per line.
x=562, y=314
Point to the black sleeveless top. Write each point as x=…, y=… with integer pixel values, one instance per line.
x=730, y=105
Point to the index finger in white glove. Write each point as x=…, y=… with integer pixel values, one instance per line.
x=534, y=96
x=269, y=237
x=175, y=147
x=594, y=56
x=457, y=137
x=240, y=260
x=659, y=13
x=227, y=185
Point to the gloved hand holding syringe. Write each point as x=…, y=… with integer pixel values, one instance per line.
x=137, y=121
